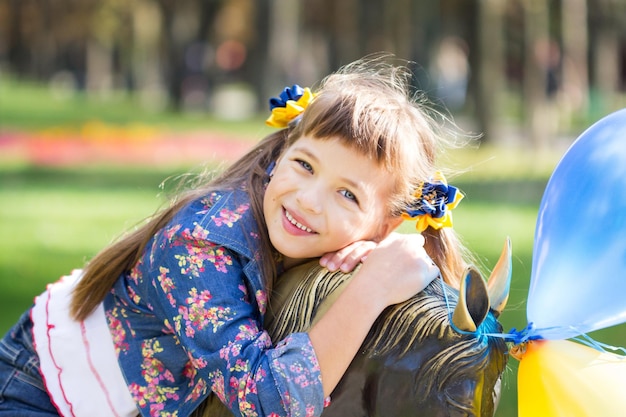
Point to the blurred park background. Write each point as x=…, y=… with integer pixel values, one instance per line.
x=106, y=104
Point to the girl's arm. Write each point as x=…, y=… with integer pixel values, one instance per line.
x=394, y=271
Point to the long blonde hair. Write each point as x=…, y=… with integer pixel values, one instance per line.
x=367, y=105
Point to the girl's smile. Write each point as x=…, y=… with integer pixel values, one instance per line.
x=323, y=196
x=299, y=226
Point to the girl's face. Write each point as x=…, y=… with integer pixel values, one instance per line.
x=324, y=196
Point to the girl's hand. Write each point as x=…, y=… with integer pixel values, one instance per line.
x=348, y=258
x=397, y=268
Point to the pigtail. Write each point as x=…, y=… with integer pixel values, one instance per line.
x=449, y=254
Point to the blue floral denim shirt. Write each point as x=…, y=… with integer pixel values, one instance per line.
x=187, y=321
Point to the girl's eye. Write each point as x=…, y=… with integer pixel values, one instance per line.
x=305, y=165
x=349, y=195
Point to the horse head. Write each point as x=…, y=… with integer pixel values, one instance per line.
x=432, y=355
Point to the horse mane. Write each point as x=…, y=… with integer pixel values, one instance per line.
x=404, y=327
x=399, y=329
x=300, y=304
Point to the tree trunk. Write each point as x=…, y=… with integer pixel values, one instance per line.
x=536, y=41
x=488, y=67
x=575, y=48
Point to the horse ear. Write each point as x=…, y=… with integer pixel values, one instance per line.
x=473, y=304
x=500, y=280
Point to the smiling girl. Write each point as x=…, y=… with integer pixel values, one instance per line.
x=174, y=310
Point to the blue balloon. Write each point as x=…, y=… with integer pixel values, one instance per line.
x=578, y=278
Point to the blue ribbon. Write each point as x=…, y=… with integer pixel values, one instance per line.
x=289, y=93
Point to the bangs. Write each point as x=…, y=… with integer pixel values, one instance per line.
x=373, y=118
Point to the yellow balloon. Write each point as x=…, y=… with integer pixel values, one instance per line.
x=564, y=378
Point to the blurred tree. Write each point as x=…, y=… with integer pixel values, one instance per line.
x=576, y=54
x=488, y=63
x=183, y=23
x=608, y=54
x=541, y=57
x=536, y=64
x=17, y=50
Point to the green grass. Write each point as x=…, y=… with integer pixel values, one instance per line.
x=33, y=106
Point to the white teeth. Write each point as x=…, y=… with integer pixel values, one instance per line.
x=295, y=223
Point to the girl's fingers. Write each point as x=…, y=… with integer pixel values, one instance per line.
x=347, y=258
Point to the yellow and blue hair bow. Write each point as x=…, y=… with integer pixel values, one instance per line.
x=432, y=203
x=289, y=105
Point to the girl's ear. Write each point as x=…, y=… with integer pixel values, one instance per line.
x=389, y=225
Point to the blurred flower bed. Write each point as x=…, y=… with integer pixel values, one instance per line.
x=98, y=143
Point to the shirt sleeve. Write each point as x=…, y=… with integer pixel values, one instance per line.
x=205, y=299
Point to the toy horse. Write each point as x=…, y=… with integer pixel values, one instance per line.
x=419, y=358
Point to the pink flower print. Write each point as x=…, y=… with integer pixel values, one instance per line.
x=261, y=300
x=230, y=350
x=190, y=372
x=117, y=331
x=229, y=217
x=247, y=408
x=152, y=368
x=246, y=331
x=302, y=380
x=219, y=258
x=193, y=262
x=244, y=291
x=138, y=393
x=135, y=275
x=167, y=284
x=196, y=363
x=250, y=384
x=242, y=394
x=198, y=390
x=167, y=328
x=206, y=202
x=217, y=385
x=197, y=317
x=240, y=366
x=178, y=323
x=296, y=368
x=199, y=233
x=170, y=232
x=195, y=298
x=155, y=410
x=133, y=295
x=242, y=208
x=190, y=265
x=263, y=341
x=154, y=393
x=260, y=375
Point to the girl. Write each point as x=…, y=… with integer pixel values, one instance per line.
x=174, y=310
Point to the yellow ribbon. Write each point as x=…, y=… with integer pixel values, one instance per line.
x=281, y=116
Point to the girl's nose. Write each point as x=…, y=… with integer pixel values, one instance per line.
x=310, y=200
